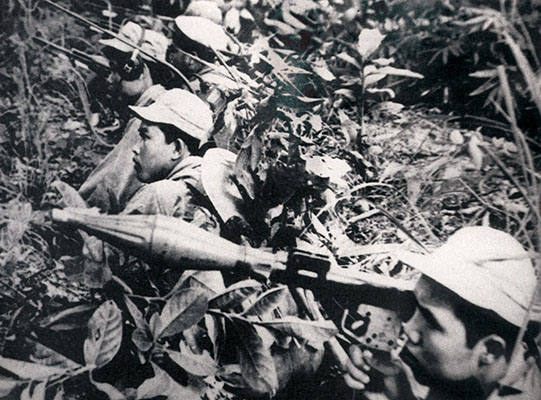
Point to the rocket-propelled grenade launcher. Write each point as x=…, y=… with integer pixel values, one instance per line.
x=173, y=242
x=168, y=241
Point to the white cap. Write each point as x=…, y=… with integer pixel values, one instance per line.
x=205, y=9
x=484, y=266
x=155, y=43
x=203, y=31
x=183, y=110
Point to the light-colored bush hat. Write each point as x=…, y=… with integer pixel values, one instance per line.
x=183, y=110
x=484, y=266
x=205, y=9
x=203, y=31
x=155, y=43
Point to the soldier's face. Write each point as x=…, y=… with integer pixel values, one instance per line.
x=437, y=347
x=153, y=157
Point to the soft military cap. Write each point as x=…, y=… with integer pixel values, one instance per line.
x=484, y=266
x=205, y=9
x=183, y=110
x=154, y=43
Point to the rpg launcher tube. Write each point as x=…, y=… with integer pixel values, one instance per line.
x=172, y=242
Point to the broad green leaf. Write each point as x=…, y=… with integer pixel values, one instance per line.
x=235, y=294
x=104, y=335
x=267, y=302
x=28, y=370
x=196, y=364
x=181, y=311
x=161, y=384
x=314, y=332
x=256, y=362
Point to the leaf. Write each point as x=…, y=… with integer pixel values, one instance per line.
x=212, y=330
x=347, y=58
x=7, y=385
x=181, y=311
x=142, y=338
x=349, y=127
x=70, y=196
x=400, y=72
x=475, y=152
x=112, y=392
x=256, y=362
x=135, y=313
x=383, y=62
x=196, y=364
x=161, y=384
x=46, y=356
x=27, y=370
x=485, y=73
x=267, y=302
x=322, y=70
x=283, y=29
x=104, y=335
x=65, y=314
x=235, y=294
x=245, y=164
x=368, y=42
x=387, y=91
x=348, y=93
x=209, y=282
x=232, y=20
x=314, y=332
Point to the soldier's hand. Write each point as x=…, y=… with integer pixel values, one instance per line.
x=358, y=368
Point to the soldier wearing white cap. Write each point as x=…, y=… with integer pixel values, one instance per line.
x=172, y=130
x=472, y=298
x=129, y=63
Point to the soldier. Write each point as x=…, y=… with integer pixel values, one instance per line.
x=112, y=183
x=165, y=158
x=472, y=298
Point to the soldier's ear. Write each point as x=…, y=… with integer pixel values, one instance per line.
x=490, y=349
x=180, y=149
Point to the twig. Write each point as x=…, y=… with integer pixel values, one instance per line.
x=510, y=176
x=222, y=61
x=81, y=89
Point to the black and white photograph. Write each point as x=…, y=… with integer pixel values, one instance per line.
x=270, y=199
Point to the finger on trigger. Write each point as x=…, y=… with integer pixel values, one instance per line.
x=352, y=383
x=356, y=355
x=356, y=373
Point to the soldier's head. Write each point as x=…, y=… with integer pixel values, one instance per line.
x=471, y=300
x=130, y=66
x=172, y=128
